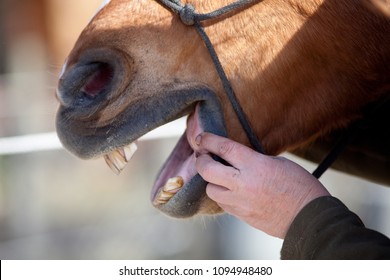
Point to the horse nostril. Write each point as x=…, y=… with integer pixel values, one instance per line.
x=97, y=81
x=93, y=77
x=85, y=82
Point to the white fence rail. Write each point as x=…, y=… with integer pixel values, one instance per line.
x=49, y=141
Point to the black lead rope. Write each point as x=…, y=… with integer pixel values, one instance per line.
x=353, y=131
x=338, y=148
x=189, y=17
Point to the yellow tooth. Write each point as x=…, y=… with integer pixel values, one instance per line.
x=159, y=201
x=162, y=197
x=129, y=151
x=111, y=164
x=174, y=184
x=165, y=195
x=171, y=187
x=115, y=161
x=118, y=159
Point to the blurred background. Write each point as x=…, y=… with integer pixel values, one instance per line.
x=56, y=206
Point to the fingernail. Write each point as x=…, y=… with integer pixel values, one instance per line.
x=198, y=139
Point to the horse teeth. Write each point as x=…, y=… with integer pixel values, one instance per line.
x=112, y=166
x=118, y=159
x=115, y=161
x=171, y=187
x=130, y=150
x=165, y=195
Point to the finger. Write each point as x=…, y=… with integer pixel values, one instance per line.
x=234, y=153
x=221, y=195
x=215, y=172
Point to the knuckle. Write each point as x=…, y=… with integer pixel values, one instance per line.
x=205, y=169
x=236, y=174
x=236, y=180
x=201, y=167
x=227, y=148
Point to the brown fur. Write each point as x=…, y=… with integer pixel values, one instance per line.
x=299, y=68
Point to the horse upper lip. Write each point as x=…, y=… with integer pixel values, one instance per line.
x=87, y=139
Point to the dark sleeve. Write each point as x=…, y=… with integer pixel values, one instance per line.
x=326, y=229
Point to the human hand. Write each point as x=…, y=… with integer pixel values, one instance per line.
x=264, y=191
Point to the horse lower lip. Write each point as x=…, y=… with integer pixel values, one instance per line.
x=181, y=162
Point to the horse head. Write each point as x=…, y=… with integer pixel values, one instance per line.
x=300, y=70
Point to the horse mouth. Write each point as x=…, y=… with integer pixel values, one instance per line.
x=86, y=91
x=178, y=191
x=178, y=188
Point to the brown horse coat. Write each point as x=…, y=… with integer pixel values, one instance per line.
x=303, y=71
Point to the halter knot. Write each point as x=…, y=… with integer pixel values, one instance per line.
x=187, y=14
